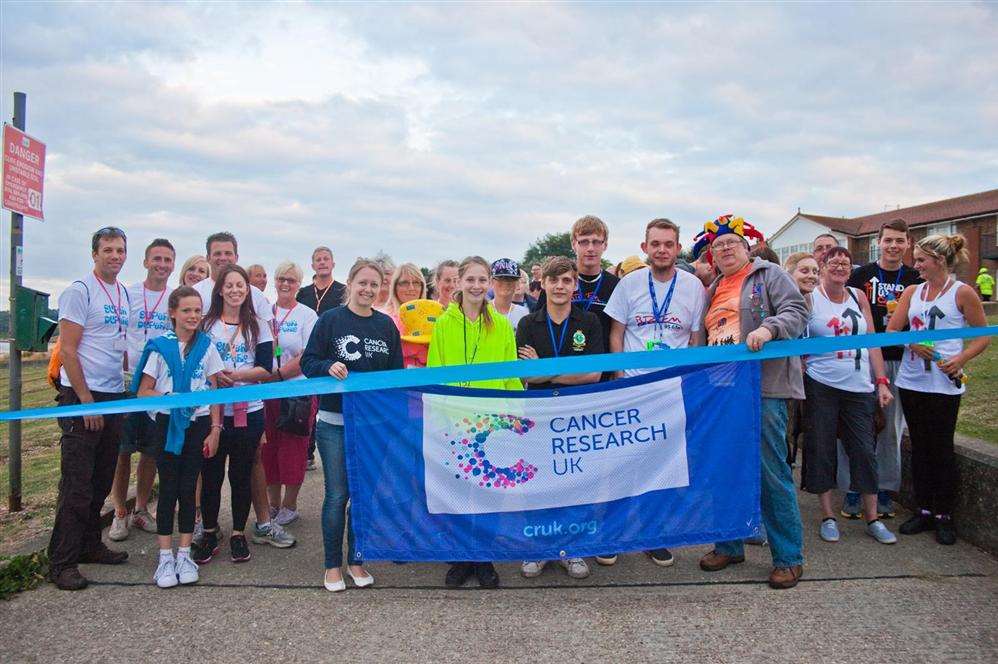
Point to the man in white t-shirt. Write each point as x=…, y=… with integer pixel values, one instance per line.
x=93, y=323
x=149, y=317
x=222, y=249
x=505, y=276
x=656, y=309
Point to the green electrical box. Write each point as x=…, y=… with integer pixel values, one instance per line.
x=32, y=326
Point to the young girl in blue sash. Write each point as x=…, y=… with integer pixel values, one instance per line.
x=184, y=360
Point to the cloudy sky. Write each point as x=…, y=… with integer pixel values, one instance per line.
x=432, y=131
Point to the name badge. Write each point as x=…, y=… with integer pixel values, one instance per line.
x=120, y=344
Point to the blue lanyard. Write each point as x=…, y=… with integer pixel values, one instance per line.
x=897, y=280
x=593, y=295
x=564, y=329
x=659, y=314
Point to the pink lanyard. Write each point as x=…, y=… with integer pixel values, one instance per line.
x=239, y=418
x=277, y=332
x=146, y=314
x=117, y=310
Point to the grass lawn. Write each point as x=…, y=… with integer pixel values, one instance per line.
x=977, y=408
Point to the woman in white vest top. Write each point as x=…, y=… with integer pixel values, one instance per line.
x=841, y=399
x=930, y=379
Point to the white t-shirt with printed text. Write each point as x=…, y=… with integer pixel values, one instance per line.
x=296, y=327
x=105, y=327
x=149, y=317
x=209, y=365
x=631, y=304
x=225, y=336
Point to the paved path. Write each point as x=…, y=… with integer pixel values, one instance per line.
x=859, y=602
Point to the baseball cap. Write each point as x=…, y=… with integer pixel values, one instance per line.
x=506, y=268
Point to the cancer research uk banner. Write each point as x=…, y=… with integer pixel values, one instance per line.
x=665, y=459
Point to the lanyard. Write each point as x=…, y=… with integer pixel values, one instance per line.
x=593, y=295
x=318, y=300
x=926, y=302
x=232, y=344
x=478, y=341
x=561, y=341
x=117, y=311
x=658, y=313
x=897, y=280
x=277, y=331
x=146, y=313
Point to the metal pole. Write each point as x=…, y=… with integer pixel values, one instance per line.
x=14, y=363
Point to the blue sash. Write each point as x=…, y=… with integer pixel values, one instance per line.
x=168, y=346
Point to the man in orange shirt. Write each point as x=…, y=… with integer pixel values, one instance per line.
x=754, y=302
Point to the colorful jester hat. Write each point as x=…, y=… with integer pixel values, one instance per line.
x=723, y=225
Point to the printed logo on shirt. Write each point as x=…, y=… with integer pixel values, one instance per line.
x=241, y=357
x=578, y=341
x=670, y=321
x=112, y=318
x=372, y=346
x=882, y=293
x=343, y=347
x=289, y=327
x=160, y=321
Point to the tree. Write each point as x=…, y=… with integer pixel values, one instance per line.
x=552, y=244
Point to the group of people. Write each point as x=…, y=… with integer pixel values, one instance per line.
x=216, y=329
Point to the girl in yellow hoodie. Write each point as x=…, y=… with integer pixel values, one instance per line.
x=470, y=331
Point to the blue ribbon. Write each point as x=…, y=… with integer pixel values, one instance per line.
x=387, y=380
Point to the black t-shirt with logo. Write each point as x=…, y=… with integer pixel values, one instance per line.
x=362, y=343
x=322, y=300
x=879, y=285
x=583, y=336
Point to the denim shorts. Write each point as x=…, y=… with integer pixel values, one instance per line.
x=139, y=434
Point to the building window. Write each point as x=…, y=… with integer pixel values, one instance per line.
x=944, y=228
x=785, y=252
x=874, y=249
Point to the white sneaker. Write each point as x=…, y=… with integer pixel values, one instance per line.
x=576, y=567
x=187, y=570
x=878, y=531
x=166, y=573
x=142, y=520
x=119, y=528
x=532, y=568
x=286, y=516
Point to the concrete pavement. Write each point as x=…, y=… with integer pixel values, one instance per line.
x=859, y=602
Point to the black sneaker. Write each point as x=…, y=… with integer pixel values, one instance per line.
x=207, y=548
x=239, y=549
x=68, y=579
x=458, y=574
x=661, y=557
x=101, y=555
x=945, y=531
x=487, y=575
x=919, y=522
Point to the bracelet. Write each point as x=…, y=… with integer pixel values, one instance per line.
x=883, y=380
x=217, y=426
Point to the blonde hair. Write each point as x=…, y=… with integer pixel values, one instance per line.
x=362, y=263
x=590, y=225
x=459, y=296
x=405, y=269
x=793, y=259
x=191, y=262
x=950, y=248
x=289, y=266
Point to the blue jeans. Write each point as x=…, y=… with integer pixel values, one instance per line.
x=780, y=512
x=329, y=442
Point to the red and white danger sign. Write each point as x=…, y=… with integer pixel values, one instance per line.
x=23, y=172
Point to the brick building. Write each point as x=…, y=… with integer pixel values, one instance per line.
x=974, y=216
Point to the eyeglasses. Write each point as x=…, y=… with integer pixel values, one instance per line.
x=287, y=280
x=406, y=283
x=586, y=244
x=721, y=245
x=839, y=265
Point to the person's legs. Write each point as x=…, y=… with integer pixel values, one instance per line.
x=191, y=461
x=780, y=512
x=212, y=476
x=78, y=452
x=243, y=457
x=329, y=443
x=105, y=457
x=119, y=485
x=169, y=484
x=889, y=439
x=258, y=481
x=919, y=417
x=945, y=408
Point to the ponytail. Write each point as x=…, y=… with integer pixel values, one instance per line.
x=951, y=249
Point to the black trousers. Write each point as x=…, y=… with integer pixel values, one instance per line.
x=831, y=413
x=238, y=445
x=178, y=474
x=86, y=472
x=931, y=422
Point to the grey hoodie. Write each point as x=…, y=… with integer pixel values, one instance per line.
x=771, y=299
